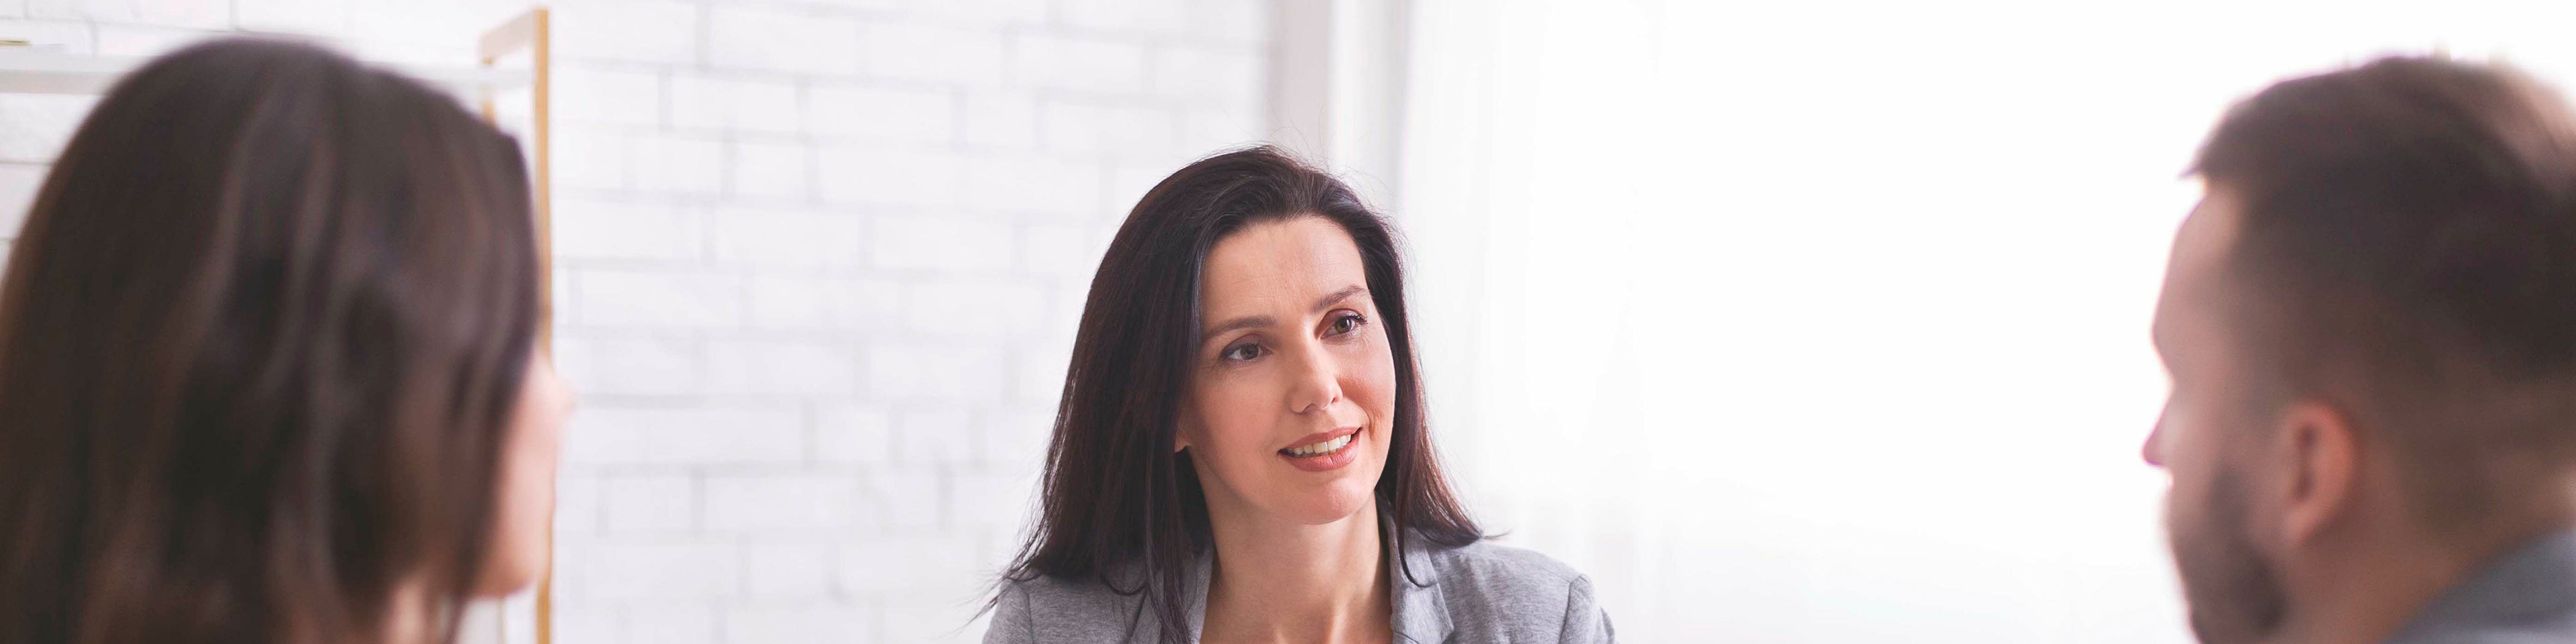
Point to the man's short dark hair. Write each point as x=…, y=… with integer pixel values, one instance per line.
x=2407, y=243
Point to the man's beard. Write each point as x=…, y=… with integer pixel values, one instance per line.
x=2234, y=596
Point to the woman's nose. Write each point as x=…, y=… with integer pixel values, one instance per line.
x=1317, y=383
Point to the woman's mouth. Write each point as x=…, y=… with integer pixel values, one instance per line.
x=1318, y=449
x=1324, y=451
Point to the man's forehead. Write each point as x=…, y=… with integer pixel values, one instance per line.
x=2209, y=231
x=2196, y=278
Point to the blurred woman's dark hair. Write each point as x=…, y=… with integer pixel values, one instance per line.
x=1118, y=504
x=259, y=343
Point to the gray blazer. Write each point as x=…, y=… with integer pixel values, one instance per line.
x=2527, y=596
x=1477, y=594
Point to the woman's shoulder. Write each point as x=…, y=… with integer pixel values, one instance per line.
x=1053, y=598
x=1046, y=609
x=1503, y=593
x=1486, y=564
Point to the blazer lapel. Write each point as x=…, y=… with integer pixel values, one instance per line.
x=1421, y=610
x=1145, y=630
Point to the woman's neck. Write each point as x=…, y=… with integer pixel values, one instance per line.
x=1285, y=582
x=407, y=620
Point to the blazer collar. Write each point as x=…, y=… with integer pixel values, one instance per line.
x=1198, y=592
x=1142, y=627
x=1421, y=609
x=2525, y=585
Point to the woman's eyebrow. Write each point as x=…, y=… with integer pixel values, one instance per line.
x=1245, y=322
x=1338, y=296
x=1256, y=321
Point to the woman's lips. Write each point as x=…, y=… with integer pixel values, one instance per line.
x=1324, y=451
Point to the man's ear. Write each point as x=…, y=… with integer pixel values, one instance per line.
x=2322, y=451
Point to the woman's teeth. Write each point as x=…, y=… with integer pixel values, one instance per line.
x=1319, y=449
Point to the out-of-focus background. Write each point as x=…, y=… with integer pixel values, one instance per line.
x=1787, y=322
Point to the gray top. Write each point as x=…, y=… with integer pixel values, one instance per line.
x=1476, y=594
x=2527, y=596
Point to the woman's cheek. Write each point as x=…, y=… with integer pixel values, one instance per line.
x=1374, y=386
x=1234, y=429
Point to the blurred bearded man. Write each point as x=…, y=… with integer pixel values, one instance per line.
x=2370, y=324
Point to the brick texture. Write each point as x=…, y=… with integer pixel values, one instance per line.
x=817, y=266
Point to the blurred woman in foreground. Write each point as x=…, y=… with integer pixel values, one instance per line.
x=268, y=363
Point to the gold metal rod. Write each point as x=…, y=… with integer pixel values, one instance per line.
x=533, y=32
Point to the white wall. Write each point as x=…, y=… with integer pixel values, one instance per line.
x=817, y=268
x=820, y=280
x=1827, y=322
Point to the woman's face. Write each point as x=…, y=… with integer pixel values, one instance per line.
x=527, y=487
x=1292, y=389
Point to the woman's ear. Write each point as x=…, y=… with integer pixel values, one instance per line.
x=1183, y=428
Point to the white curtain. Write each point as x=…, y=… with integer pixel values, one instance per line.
x=1827, y=322
x=1525, y=219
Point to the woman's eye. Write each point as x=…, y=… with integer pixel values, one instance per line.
x=1240, y=353
x=1347, y=323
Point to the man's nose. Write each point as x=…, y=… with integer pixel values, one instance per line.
x=2152, y=450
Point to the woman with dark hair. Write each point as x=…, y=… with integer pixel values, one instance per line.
x=268, y=364
x=1240, y=454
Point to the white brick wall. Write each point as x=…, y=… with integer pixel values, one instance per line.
x=18, y=183
x=818, y=263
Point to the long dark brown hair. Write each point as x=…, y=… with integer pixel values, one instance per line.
x=259, y=342
x=1119, y=506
